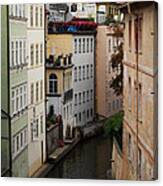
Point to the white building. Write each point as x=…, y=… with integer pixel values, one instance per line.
x=18, y=89
x=83, y=78
x=36, y=94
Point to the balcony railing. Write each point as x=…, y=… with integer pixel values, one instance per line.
x=59, y=62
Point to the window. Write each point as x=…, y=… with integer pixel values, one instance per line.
x=41, y=53
x=32, y=54
x=32, y=93
x=91, y=44
x=91, y=71
x=41, y=90
x=87, y=114
x=109, y=45
x=37, y=56
x=31, y=15
x=16, y=53
x=75, y=74
x=91, y=94
x=36, y=129
x=36, y=16
x=21, y=139
x=17, y=100
x=25, y=95
x=37, y=91
x=21, y=52
x=13, y=101
x=21, y=97
x=87, y=45
x=87, y=71
x=79, y=98
x=41, y=16
x=16, y=10
x=53, y=85
x=11, y=10
x=130, y=33
x=12, y=54
x=20, y=10
x=91, y=112
x=84, y=97
x=23, y=10
x=87, y=95
x=79, y=73
x=79, y=45
x=76, y=99
x=129, y=146
x=32, y=137
x=17, y=143
x=41, y=124
x=129, y=92
x=83, y=72
x=24, y=51
x=138, y=33
x=83, y=45
x=75, y=46
x=25, y=136
x=80, y=116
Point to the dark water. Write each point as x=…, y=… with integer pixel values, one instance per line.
x=88, y=160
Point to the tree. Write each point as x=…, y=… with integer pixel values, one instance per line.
x=116, y=62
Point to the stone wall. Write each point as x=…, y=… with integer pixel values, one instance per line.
x=52, y=138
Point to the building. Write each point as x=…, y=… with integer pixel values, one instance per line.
x=58, y=12
x=18, y=89
x=139, y=152
x=36, y=87
x=107, y=102
x=83, y=10
x=5, y=100
x=59, y=90
x=65, y=12
x=108, y=11
x=79, y=47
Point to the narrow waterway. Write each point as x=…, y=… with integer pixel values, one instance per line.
x=90, y=159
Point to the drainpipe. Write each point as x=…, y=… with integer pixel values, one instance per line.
x=137, y=97
x=45, y=83
x=8, y=72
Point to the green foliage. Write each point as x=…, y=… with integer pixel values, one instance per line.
x=116, y=61
x=113, y=125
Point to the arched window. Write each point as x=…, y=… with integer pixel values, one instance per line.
x=53, y=88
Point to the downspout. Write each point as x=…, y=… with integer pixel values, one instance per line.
x=137, y=98
x=8, y=68
x=45, y=83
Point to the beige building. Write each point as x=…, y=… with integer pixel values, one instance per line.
x=59, y=91
x=107, y=103
x=138, y=158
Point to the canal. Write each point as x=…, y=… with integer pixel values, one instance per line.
x=90, y=159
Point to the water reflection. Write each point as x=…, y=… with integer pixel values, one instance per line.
x=89, y=160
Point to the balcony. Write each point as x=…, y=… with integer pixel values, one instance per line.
x=60, y=62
